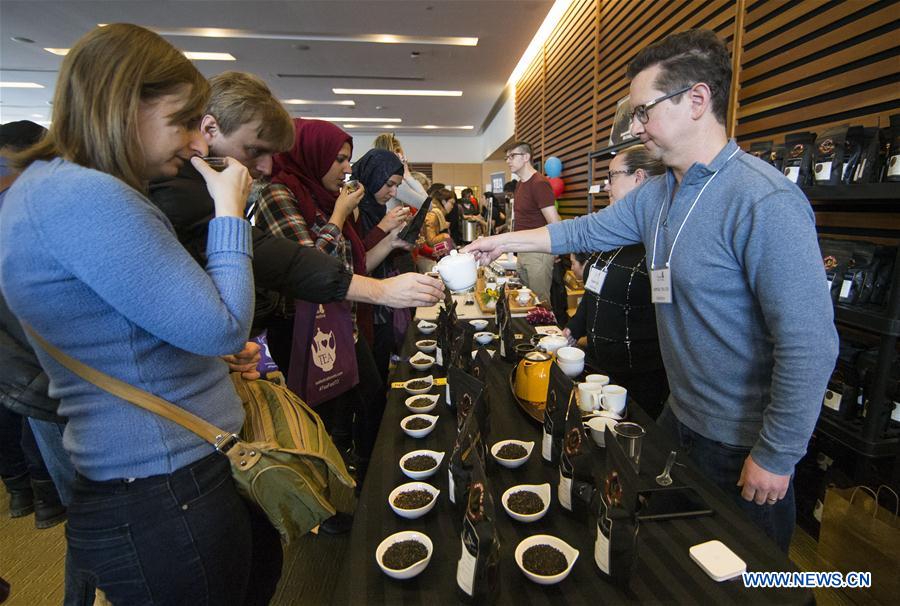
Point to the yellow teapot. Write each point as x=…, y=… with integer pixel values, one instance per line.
x=533, y=377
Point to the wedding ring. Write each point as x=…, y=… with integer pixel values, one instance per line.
x=771, y=501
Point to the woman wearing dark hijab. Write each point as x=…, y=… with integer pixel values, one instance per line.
x=305, y=203
x=381, y=172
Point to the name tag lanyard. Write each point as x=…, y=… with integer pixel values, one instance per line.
x=597, y=276
x=661, y=279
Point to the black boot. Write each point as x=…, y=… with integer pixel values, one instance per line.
x=48, y=510
x=21, y=499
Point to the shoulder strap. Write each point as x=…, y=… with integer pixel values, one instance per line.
x=138, y=397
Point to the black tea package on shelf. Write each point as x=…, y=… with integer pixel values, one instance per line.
x=576, y=480
x=854, y=144
x=478, y=568
x=762, y=150
x=829, y=156
x=798, y=156
x=560, y=391
x=866, y=170
x=776, y=157
x=467, y=394
x=469, y=445
x=614, y=510
x=892, y=159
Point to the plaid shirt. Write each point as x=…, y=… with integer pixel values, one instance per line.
x=280, y=216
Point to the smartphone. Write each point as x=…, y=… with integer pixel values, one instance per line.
x=217, y=164
x=410, y=233
x=672, y=503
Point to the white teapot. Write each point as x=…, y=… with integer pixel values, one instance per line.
x=459, y=271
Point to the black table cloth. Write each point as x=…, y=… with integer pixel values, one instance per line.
x=663, y=573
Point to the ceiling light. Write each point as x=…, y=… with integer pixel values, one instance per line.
x=20, y=85
x=200, y=56
x=423, y=127
x=217, y=32
x=57, y=51
x=550, y=21
x=397, y=92
x=347, y=102
x=22, y=39
x=356, y=119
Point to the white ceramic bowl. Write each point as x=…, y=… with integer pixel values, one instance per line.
x=597, y=424
x=570, y=354
x=571, y=368
x=545, y=539
x=421, y=361
x=414, y=392
x=418, y=433
x=512, y=463
x=541, y=490
x=426, y=328
x=426, y=345
x=421, y=475
x=479, y=324
x=412, y=514
x=406, y=535
x=422, y=409
x=484, y=338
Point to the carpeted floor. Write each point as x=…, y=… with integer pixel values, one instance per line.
x=32, y=562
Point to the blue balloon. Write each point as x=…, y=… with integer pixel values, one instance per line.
x=553, y=167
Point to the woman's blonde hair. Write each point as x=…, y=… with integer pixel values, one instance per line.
x=102, y=82
x=389, y=142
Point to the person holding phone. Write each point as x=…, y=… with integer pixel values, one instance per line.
x=92, y=266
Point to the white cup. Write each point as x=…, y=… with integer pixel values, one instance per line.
x=552, y=343
x=601, y=379
x=598, y=426
x=523, y=296
x=613, y=398
x=590, y=396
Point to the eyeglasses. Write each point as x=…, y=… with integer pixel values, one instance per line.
x=640, y=112
x=514, y=154
x=613, y=173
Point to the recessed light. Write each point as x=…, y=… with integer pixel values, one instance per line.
x=37, y=115
x=62, y=52
x=346, y=102
x=219, y=32
x=22, y=39
x=357, y=119
x=397, y=92
x=20, y=85
x=202, y=56
x=379, y=107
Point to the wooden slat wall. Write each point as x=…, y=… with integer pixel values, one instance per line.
x=570, y=60
x=804, y=65
x=426, y=168
x=816, y=64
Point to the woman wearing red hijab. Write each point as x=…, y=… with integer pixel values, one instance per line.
x=306, y=202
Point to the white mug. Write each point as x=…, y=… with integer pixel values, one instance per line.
x=613, y=398
x=601, y=379
x=551, y=343
x=590, y=396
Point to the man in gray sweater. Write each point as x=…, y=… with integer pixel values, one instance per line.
x=746, y=324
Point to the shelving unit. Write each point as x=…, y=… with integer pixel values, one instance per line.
x=875, y=435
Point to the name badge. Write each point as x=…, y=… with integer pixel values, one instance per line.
x=596, y=278
x=661, y=286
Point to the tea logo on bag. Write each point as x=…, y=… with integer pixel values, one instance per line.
x=576, y=487
x=469, y=445
x=324, y=350
x=829, y=156
x=798, y=157
x=560, y=391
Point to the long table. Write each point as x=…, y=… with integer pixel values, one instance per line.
x=664, y=572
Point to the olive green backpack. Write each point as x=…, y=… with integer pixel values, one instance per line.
x=283, y=460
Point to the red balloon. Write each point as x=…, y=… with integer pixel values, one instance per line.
x=558, y=185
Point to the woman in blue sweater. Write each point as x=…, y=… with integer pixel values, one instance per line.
x=97, y=270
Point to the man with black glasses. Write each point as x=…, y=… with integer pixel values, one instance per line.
x=745, y=322
x=534, y=206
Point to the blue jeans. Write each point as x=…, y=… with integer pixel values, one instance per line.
x=182, y=538
x=722, y=463
x=48, y=436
